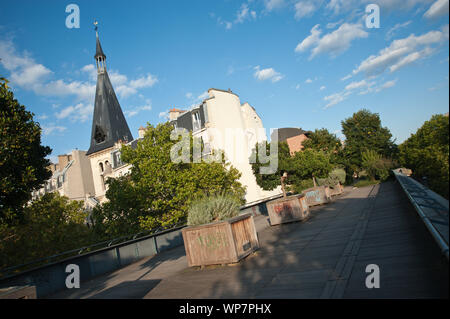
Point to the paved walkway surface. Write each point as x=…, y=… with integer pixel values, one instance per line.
x=324, y=257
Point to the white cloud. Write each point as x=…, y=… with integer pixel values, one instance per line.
x=336, y=98
x=78, y=113
x=203, y=96
x=267, y=74
x=297, y=87
x=401, y=52
x=136, y=110
x=437, y=9
x=164, y=115
x=310, y=40
x=396, y=27
x=244, y=13
x=386, y=85
x=271, y=5
x=189, y=95
x=342, y=6
x=26, y=73
x=47, y=130
x=358, y=85
x=334, y=42
x=42, y=117
x=323, y=87
x=304, y=8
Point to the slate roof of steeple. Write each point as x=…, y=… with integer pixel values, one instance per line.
x=109, y=124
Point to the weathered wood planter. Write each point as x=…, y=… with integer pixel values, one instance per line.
x=220, y=242
x=317, y=195
x=18, y=292
x=336, y=190
x=289, y=209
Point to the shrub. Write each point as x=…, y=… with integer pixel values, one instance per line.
x=300, y=186
x=336, y=176
x=211, y=208
x=375, y=165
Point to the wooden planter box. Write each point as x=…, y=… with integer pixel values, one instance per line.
x=220, y=242
x=317, y=195
x=18, y=292
x=336, y=190
x=290, y=209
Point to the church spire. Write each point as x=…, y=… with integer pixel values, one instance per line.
x=100, y=57
x=108, y=125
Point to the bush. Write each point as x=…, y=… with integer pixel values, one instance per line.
x=375, y=165
x=336, y=176
x=212, y=208
x=300, y=186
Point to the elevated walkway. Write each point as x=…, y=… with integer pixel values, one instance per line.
x=324, y=257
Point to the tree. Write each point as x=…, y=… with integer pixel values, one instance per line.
x=51, y=225
x=363, y=131
x=307, y=165
x=158, y=192
x=23, y=166
x=270, y=181
x=427, y=151
x=323, y=140
x=301, y=167
x=376, y=166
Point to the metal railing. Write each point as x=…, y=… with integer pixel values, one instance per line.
x=431, y=207
x=14, y=270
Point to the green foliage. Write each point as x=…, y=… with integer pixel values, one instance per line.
x=51, y=225
x=323, y=140
x=427, y=152
x=363, y=131
x=301, y=167
x=375, y=165
x=301, y=185
x=335, y=177
x=270, y=181
x=23, y=166
x=212, y=208
x=158, y=192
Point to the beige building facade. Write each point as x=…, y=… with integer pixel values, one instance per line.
x=71, y=177
x=223, y=123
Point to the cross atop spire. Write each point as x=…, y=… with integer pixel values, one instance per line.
x=100, y=57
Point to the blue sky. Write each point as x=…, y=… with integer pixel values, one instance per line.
x=299, y=63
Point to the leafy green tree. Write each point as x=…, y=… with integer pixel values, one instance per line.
x=363, y=131
x=23, y=166
x=375, y=165
x=301, y=167
x=427, y=152
x=270, y=181
x=307, y=165
x=323, y=140
x=51, y=225
x=158, y=192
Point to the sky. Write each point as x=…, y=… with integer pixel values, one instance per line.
x=299, y=63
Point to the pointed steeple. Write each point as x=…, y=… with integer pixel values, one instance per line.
x=109, y=124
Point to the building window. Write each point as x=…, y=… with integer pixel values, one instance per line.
x=117, y=161
x=101, y=167
x=196, y=123
x=99, y=135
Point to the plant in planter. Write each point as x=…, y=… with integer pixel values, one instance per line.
x=288, y=208
x=217, y=234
